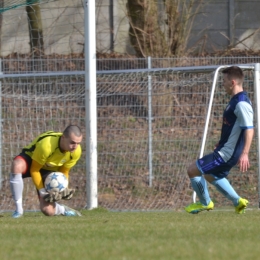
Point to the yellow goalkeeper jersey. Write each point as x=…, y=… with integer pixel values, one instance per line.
x=45, y=150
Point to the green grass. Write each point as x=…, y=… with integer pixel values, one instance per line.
x=100, y=234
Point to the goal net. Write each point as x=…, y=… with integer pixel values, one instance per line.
x=139, y=169
x=30, y=106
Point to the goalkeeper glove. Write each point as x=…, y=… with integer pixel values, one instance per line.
x=67, y=194
x=50, y=196
x=53, y=196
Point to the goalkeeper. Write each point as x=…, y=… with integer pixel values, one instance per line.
x=49, y=152
x=232, y=149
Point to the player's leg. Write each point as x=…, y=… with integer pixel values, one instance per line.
x=55, y=209
x=66, y=211
x=19, y=166
x=199, y=184
x=47, y=208
x=225, y=188
x=206, y=167
x=216, y=174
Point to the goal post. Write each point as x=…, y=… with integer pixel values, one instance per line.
x=257, y=102
x=91, y=104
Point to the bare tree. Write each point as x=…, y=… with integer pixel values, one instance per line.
x=1, y=22
x=149, y=37
x=145, y=34
x=35, y=28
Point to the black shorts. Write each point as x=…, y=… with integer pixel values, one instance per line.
x=28, y=161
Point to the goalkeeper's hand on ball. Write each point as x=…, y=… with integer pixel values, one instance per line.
x=67, y=194
x=50, y=196
x=53, y=196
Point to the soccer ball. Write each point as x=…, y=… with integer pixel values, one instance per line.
x=56, y=181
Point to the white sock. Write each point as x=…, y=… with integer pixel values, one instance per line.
x=59, y=209
x=16, y=183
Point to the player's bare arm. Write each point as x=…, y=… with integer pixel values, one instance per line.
x=243, y=161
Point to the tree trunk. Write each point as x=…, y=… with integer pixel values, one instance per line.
x=173, y=24
x=35, y=29
x=145, y=34
x=149, y=39
x=1, y=23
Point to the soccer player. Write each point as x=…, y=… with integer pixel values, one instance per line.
x=232, y=149
x=48, y=152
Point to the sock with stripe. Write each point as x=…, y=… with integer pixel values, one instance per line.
x=199, y=185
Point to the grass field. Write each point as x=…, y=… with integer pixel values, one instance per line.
x=100, y=234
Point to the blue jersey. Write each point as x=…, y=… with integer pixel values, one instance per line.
x=237, y=117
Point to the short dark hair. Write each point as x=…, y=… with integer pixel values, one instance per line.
x=234, y=72
x=72, y=129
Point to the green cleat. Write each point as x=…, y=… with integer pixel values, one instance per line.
x=242, y=204
x=195, y=208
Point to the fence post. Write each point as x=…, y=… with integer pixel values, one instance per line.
x=231, y=17
x=150, y=134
